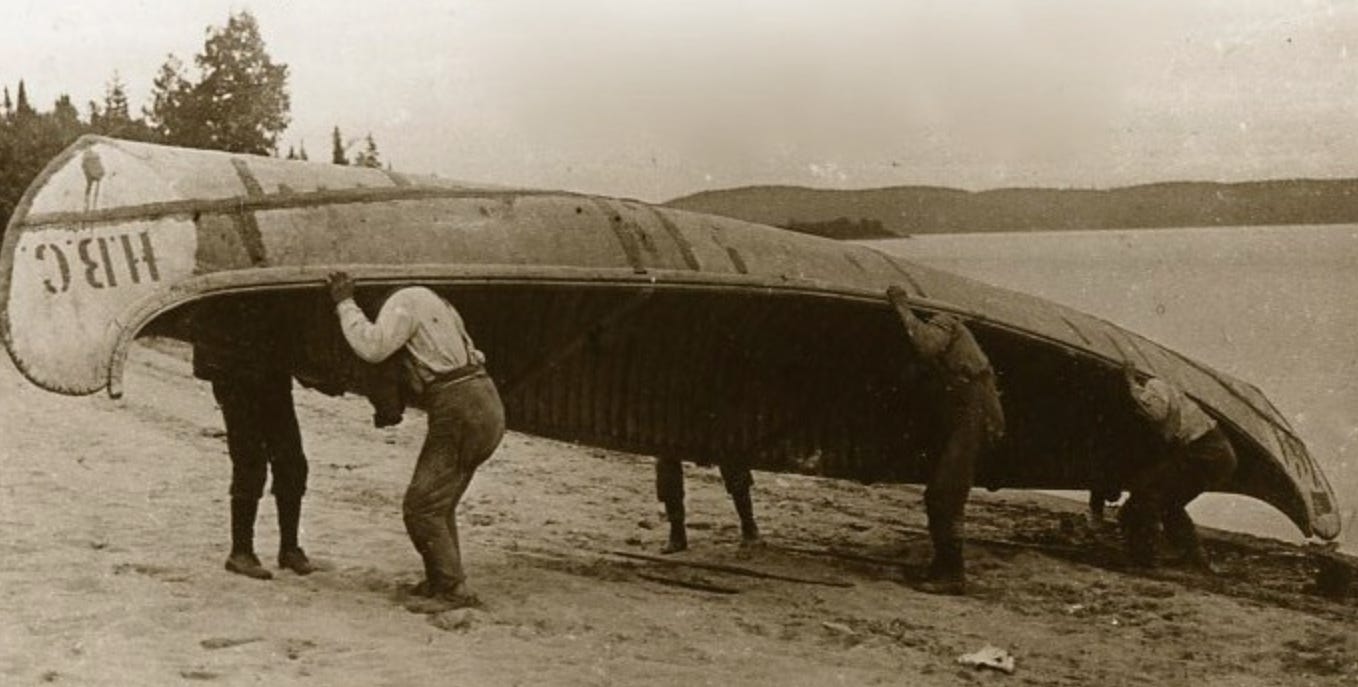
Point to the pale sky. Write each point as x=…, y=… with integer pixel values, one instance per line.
x=657, y=99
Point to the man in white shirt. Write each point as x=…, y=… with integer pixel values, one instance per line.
x=1198, y=457
x=466, y=420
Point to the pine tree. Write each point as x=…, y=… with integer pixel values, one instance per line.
x=337, y=148
x=64, y=114
x=21, y=107
x=7, y=105
x=301, y=154
x=115, y=102
x=240, y=101
x=368, y=156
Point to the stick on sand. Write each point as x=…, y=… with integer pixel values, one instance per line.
x=731, y=569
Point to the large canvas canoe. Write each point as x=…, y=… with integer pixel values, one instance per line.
x=609, y=322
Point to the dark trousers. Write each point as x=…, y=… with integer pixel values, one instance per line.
x=466, y=423
x=261, y=432
x=669, y=479
x=1162, y=490
x=974, y=422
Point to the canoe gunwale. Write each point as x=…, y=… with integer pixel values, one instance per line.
x=307, y=278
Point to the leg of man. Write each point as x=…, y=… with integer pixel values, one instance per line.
x=477, y=447
x=249, y=470
x=738, y=480
x=945, y=497
x=466, y=422
x=1145, y=508
x=669, y=489
x=1206, y=463
x=288, y=460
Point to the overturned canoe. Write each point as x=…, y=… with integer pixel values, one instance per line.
x=609, y=322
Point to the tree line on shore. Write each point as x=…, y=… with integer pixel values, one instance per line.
x=906, y=210
x=236, y=99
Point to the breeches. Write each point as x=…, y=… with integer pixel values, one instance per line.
x=261, y=431
x=971, y=429
x=669, y=478
x=466, y=423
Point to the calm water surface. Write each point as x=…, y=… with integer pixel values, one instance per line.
x=1276, y=306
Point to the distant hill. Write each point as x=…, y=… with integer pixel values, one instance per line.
x=901, y=210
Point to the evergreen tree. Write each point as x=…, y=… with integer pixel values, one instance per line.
x=116, y=110
x=292, y=153
x=174, y=114
x=7, y=105
x=337, y=148
x=240, y=101
x=21, y=107
x=301, y=154
x=65, y=116
x=368, y=156
x=115, y=117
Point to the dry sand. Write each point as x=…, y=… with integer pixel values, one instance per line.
x=115, y=529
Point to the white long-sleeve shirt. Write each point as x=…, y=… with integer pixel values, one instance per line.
x=418, y=319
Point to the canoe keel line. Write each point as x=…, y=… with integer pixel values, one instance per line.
x=608, y=322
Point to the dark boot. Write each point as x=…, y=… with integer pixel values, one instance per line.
x=674, y=511
x=430, y=584
x=443, y=597
x=947, y=573
x=290, y=555
x=1138, y=535
x=749, y=531
x=242, y=560
x=1180, y=531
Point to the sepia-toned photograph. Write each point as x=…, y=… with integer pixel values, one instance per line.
x=742, y=342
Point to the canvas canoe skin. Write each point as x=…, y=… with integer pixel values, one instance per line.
x=608, y=321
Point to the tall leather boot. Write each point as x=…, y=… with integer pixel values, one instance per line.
x=749, y=531
x=1138, y=534
x=290, y=555
x=242, y=560
x=674, y=512
x=947, y=573
x=1179, y=529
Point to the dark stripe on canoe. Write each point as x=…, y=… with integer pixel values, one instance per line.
x=909, y=278
x=1131, y=341
x=624, y=234
x=248, y=230
x=854, y=261
x=1078, y=332
x=1122, y=353
x=684, y=247
x=737, y=261
x=247, y=178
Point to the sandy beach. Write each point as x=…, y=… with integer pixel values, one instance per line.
x=115, y=521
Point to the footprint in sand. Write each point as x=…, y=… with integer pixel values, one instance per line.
x=158, y=572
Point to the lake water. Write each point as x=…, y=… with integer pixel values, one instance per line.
x=1276, y=306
